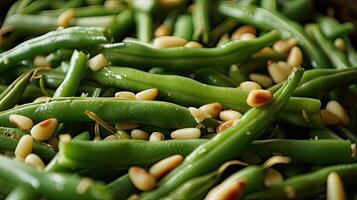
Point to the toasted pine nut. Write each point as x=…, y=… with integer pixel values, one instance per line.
x=163, y=30
x=279, y=71
x=257, y=98
x=283, y=46
x=295, y=57
x=156, y=136
x=17, y=158
x=112, y=4
x=272, y=177
x=261, y=79
x=247, y=36
x=227, y=115
x=35, y=161
x=335, y=189
x=98, y=62
x=212, y=109
x=161, y=168
x=138, y=134
x=229, y=189
x=266, y=51
x=336, y=108
x=170, y=3
x=199, y=115
x=40, y=61
x=340, y=44
x=186, y=133
x=226, y=125
x=290, y=192
x=65, y=138
x=133, y=197
x=24, y=146
x=64, y=20
x=126, y=126
x=111, y=137
x=149, y=94
x=125, y=95
x=193, y=44
x=243, y=29
x=44, y=130
x=249, y=86
x=328, y=118
x=168, y=42
x=21, y=121
x=142, y=179
x=84, y=185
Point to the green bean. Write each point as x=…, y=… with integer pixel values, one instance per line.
x=307, y=186
x=185, y=91
x=22, y=192
x=346, y=133
x=333, y=29
x=234, y=139
x=5, y=188
x=55, y=58
x=201, y=21
x=351, y=53
x=71, y=110
x=122, y=188
x=184, y=27
x=88, y=11
x=269, y=4
x=13, y=93
x=214, y=77
x=182, y=58
x=69, y=86
x=36, y=6
x=50, y=185
x=299, y=10
x=143, y=18
x=9, y=137
x=268, y=20
x=75, y=36
x=324, y=133
x=226, y=26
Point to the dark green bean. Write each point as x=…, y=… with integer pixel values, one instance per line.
x=333, y=29
x=268, y=20
x=36, y=6
x=346, y=133
x=226, y=26
x=299, y=10
x=323, y=134
x=184, y=27
x=351, y=53
x=122, y=188
x=201, y=21
x=213, y=77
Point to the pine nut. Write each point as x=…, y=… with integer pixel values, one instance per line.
x=98, y=62
x=340, y=44
x=272, y=177
x=44, y=130
x=247, y=36
x=279, y=71
x=295, y=57
x=249, y=86
x=336, y=108
x=19, y=159
x=212, y=109
x=112, y=4
x=283, y=46
x=156, y=136
x=266, y=51
x=138, y=134
x=227, y=115
x=199, y=115
x=21, y=121
x=125, y=95
x=186, y=133
x=40, y=61
x=126, y=126
x=229, y=189
x=84, y=185
x=141, y=179
x=169, y=42
x=170, y=3
x=243, y=29
x=335, y=189
x=257, y=98
x=261, y=79
x=35, y=161
x=290, y=192
x=161, y=168
x=163, y=30
x=226, y=125
x=65, y=138
x=64, y=20
x=193, y=44
x=149, y=94
x=41, y=99
x=329, y=118
x=24, y=146
x=134, y=197
x=111, y=137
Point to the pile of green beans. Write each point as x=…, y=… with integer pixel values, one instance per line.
x=184, y=99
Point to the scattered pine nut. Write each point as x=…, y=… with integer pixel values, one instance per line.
x=24, y=146
x=142, y=179
x=19, y=159
x=283, y=46
x=266, y=51
x=134, y=197
x=163, y=30
x=212, y=109
x=21, y=121
x=193, y=44
x=328, y=118
x=44, y=130
x=295, y=57
x=156, y=136
x=229, y=189
x=161, y=168
x=65, y=138
x=247, y=36
x=186, y=133
x=170, y=3
x=111, y=137
x=138, y=134
x=336, y=108
x=258, y=98
x=272, y=177
x=169, y=42
x=149, y=94
x=125, y=95
x=335, y=189
x=279, y=71
x=84, y=185
x=198, y=114
x=226, y=125
x=40, y=61
x=98, y=62
x=290, y=192
x=126, y=126
x=261, y=79
x=340, y=44
x=64, y=20
x=237, y=34
x=35, y=161
x=249, y=86
x=227, y=115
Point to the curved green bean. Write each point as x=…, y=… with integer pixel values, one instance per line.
x=22, y=192
x=122, y=188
